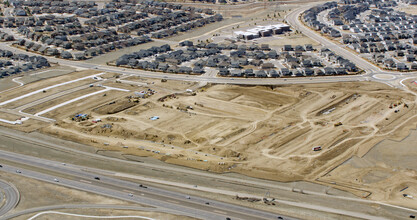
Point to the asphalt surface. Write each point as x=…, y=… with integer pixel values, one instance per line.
x=292, y=19
x=11, y=196
x=371, y=71
x=79, y=179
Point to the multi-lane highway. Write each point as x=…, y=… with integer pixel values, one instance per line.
x=75, y=178
x=283, y=194
x=10, y=195
x=83, y=180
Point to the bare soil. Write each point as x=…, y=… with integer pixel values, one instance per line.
x=105, y=212
x=261, y=131
x=35, y=193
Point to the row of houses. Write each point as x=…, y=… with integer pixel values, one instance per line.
x=46, y=21
x=6, y=37
x=390, y=63
x=229, y=46
x=42, y=7
x=282, y=72
x=184, y=27
x=310, y=17
x=115, y=18
x=141, y=54
x=196, y=59
x=53, y=50
x=12, y=63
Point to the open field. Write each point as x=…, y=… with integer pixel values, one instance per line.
x=29, y=126
x=46, y=73
x=293, y=39
x=35, y=193
x=9, y=116
x=410, y=9
x=104, y=212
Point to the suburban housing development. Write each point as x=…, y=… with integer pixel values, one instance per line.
x=220, y=109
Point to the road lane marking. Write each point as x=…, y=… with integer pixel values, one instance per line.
x=220, y=212
x=85, y=181
x=172, y=201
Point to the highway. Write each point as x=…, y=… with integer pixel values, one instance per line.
x=11, y=196
x=79, y=179
x=223, y=180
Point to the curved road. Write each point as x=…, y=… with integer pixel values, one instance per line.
x=11, y=195
x=90, y=206
x=293, y=20
x=373, y=72
x=195, y=206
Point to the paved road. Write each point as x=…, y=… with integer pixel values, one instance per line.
x=293, y=20
x=12, y=196
x=84, y=180
x=372, y=71
x=400, y=211
x=203, y=78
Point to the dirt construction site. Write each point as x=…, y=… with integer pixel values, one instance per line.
x=315, y=132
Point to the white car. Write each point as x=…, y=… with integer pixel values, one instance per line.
x=130, y=194
x=56, y=180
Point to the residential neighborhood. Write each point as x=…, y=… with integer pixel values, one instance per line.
x=239, y=60
x=80, y=30
x=373, y=29
x=15, y=63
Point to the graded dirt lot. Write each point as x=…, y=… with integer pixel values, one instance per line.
x=9, y=116
x=410, y=9
x=31, y=87
x=266, y=132
x=260, y=131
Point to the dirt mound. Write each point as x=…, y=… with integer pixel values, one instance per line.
x=229, y=153
x=115, y=119
x=114, y=107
